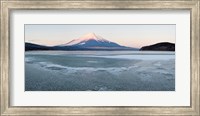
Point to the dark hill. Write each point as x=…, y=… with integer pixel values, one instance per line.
x=164, y=46
x=31, y=46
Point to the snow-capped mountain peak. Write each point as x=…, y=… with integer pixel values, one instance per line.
x=85, y=38
x=89, y=36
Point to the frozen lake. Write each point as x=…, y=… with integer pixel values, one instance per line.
x=99, y=71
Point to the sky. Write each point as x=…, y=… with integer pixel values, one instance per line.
x=126, y=35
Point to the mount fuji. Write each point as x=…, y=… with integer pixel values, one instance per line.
x=91, y=40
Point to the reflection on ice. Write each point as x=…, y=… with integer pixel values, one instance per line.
x=66, y=69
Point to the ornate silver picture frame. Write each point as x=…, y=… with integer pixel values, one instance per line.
x=7, y=6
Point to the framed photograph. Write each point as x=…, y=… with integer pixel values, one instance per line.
x=115, y=57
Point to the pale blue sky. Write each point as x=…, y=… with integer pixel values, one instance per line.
x=127, y=35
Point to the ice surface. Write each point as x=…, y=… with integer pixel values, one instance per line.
x=99, y=71
x=139, y=57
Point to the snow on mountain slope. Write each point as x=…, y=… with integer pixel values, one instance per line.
x=91, y=40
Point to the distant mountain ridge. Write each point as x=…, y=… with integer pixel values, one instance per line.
x=89, y=41
x=163, y=46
